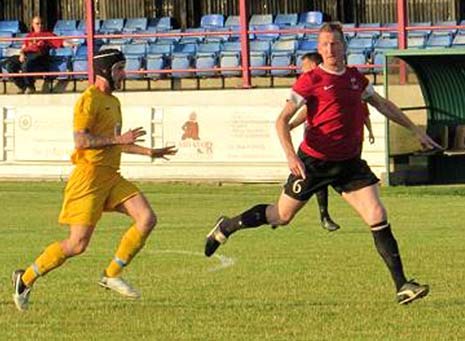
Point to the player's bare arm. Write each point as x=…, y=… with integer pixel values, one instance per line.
x=391, y=111
x=299, y=119
x=83, y=139
x=152, y=152
x=282, y=127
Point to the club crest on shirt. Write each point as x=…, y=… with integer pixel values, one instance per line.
x=353, y=82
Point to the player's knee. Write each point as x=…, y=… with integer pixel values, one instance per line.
x=148, y=220
x=285, y=218
x=76, y=247
x=377, y=213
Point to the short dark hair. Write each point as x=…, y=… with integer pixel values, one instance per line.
x=313, y=56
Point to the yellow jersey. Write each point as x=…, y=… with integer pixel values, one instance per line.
x=99, y=114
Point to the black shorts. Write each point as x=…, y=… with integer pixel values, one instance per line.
x=343, y=176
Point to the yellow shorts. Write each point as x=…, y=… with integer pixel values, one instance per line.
x=92, y=190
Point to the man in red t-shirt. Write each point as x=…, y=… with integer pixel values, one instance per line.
x=330, y=155
x=33, y=56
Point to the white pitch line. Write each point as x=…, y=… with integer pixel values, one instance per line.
x=225, y=262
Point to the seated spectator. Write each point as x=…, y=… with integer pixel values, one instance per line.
x=33, y=56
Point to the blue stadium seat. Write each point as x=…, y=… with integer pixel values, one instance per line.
x=232, y=20
x=305, y=46
x=219, y=38
x=378, y=59
x=373, y=34
x=5, y=43
x=230, y=56
x=363, y=45
x=135, y=54
x=112, y=26
x=357, y=58
x=60, y=60
x=212, y=21
x=78, y=66
x=286, y=20
x=348, y=34
x=282, y=54
x=18, y=43
x=459, y=41
x=311, y=18
x=259, y=55
x=207, y=57
x=135, y=25
x=161, y=24
x=182, y=58
x=261, y=19
x=9, y=26
x=195, y=39
x=82, y=25
x=266, y=36
x=440, y=41
x=170, y=39
x=149, y=30
x=445, y=31
x=312, y=35
x=75, y=41
x=416, y=42
x=158, y=59
x=386, y=43
x=393, y=30
x=420, y=33
x=64, y=25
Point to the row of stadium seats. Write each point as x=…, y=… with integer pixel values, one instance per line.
x=230, y=27
x=205, y=55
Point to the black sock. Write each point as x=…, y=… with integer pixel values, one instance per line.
x=389, y=251
x=322, y=198
x=253, y=217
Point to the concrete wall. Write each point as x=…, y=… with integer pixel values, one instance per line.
x=237, y=139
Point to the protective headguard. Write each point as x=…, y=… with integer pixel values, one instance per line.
x=103, y=64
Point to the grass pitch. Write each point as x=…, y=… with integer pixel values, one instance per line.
x=294, y=283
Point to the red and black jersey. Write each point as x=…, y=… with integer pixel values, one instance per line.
x=335, y=113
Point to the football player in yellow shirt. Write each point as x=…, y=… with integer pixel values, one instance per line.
x=95, y=185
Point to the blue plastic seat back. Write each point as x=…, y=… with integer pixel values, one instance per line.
x=386, y=43
x=345, y=29
x=308, y=45
x=83, y=27
x=260, y=46
x=311, y=18
x=286, y=20
x=10, y=26
x=289, y=46
x=5, y=43
x=185, y=49
x=135, y=24
x=373, y=33
x=360, y=45
x=162, y=24
x=357, y=58
x=439, y=41
x=172, y=38
x=114, y=25
x=76, y=41
x=211, y=21
x=232, y=20
x=81, y=52
x=209, y=48
x=135, y=50
x=266, y=36
x=198, y=38
x=159, y=49
x=459, y=41
x=261, y=19
x=80, y=65
x=416, y=42
x=64, y=25
x=133, y=64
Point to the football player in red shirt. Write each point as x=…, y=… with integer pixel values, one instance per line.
x=330, y=155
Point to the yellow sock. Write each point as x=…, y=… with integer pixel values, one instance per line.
x=129, y=246
x=50, y=259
